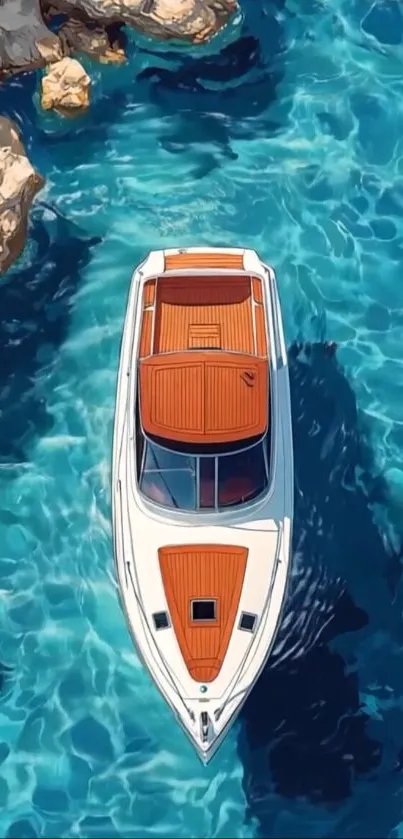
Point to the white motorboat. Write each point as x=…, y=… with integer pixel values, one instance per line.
x=202, y=479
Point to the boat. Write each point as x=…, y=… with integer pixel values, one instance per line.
x=202, y=479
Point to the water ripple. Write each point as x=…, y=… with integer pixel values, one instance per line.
x=283, y=135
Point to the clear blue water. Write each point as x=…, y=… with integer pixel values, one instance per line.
x=289, y=141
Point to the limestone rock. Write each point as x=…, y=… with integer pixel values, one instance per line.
x=19, y=182
x=102, y=43
x=187, y=20
x=25, y=42
x=66, y=88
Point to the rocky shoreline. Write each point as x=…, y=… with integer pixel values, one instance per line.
x=19, y=183
x=90, y=27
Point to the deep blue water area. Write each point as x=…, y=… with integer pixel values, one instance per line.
x=284, y=134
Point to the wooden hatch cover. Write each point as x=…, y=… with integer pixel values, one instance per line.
x=198, y=573
x=204, y=397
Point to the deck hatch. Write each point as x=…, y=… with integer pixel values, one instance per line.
x=204, y=610
x=204, y=336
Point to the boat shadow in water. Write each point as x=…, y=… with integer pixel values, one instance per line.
x=35, y=299
x=304, y=734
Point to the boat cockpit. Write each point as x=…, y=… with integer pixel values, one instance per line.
x=209, y=479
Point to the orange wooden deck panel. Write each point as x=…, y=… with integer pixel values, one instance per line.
x=192, y=261
x=204, y=397
x=224, y=305
x=192, y=572
x=203, y=359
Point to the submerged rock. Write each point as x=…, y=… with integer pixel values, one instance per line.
x=25, y=41
x=66, y=88
x=187, y=20
x=19, y=182
x=101, y=43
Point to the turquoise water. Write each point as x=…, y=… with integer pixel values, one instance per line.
x=289, y=141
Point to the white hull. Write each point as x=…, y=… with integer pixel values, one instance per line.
x=263, y=527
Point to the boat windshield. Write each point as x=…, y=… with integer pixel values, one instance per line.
x=168, y=478
x=242, y=476
x=192, y=482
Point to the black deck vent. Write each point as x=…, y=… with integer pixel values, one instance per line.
x=161, y=620
x=247, y=622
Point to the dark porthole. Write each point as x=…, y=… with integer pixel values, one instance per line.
x=204, y=610
x=161, y=620
x=248, y=622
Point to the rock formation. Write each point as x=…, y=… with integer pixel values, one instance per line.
x=105, y=44
x=19, y=182
x=186, y=20
x=25, y=42
x=66, y=88
x=93, y=27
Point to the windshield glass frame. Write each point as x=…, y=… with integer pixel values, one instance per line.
x=168, y=478
x=178, y=487
x=242, y=486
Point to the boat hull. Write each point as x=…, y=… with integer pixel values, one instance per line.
x=205, y=708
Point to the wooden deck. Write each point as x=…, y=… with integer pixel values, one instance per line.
x=181, y=261
x=203, y=359
x=220, y=313
x=147, y=323
x=201, y=397
x=192, y=572
x=223, y=306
